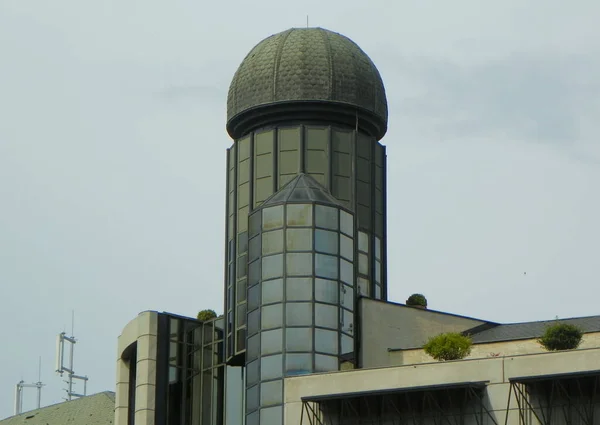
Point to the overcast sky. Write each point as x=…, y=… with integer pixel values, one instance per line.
x=112, y=155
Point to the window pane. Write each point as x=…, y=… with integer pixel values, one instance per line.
x=346, y=272
x=363, y=242
x=252, y=376
x=272, y=242
x=299, y=264
x=326, y=341
x=347, y=223
x=346, y=247
x=254, y=224
x=242, y=242
x=253, y=347
x=326, y=291
x=326, y=217
x=272, y=266
x=325, y=363
x=273, y=217
x=298, y=314
x=271, y=367
x=326, y=316
x=271, y=393
x=272, y=291
x=241, y=290
x=347, y=321
x=377, y=272
x=347, y=344
x=299, y=215
x=347, y=296
x=253, y=322
x=298, y=339
x=377, y=248
x=254, y=250
x=378, y=292
x=271, y=342
x=298, y=364
x=254, y=273
x=271, y=416
x=326, y=266
x=252, y=398
x=242, y=266
x=326, y=241
x=298, y=289
x=254, y=297
x=363, y=287
x=241, y=315
x=363, y=264
x=252, y=418
x=299, y=239
x=272, y=316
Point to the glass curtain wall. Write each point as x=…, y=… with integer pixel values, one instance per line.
x=300, y=299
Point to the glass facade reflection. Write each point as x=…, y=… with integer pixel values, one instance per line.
x=301, y=293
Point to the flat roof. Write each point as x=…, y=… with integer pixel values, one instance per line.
x=555, y=376
x=478, y=385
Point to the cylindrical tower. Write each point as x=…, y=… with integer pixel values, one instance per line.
x=304, y=104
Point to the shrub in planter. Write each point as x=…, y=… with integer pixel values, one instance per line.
x=417, y=300
x=449, y=346
x=206, y=315
x=561, y=336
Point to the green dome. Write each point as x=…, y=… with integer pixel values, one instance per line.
x=309, y=69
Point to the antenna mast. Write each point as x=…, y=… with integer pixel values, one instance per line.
x=60, y=361
x=22, y=385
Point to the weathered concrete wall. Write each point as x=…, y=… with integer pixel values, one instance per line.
x=506, y=348
x=398, y=326
x=496, y=371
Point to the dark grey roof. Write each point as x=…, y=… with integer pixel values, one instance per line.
x=529, y=330
x=96, y=409
x=302, y=188
x=307, y=64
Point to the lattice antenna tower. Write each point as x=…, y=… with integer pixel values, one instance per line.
x=21, y=385
x=61, y=361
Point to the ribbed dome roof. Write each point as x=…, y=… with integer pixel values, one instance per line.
x=307, y=65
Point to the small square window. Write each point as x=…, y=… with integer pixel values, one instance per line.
x=299, y=264
x=255, y=249
x=298, y=289
x=326, y=291
x=242, y=266
x=252, y=375
x=325, y=363
x=298, y=339
x=299, y=215
x=326, y=316
x=326, y=266
x=254, y=297
x=271, y=367
x=271, y=342
x=326, y=341
x=347, y=223
x=271, y=393
x=326, y=217
x=272, y=316
x=326, y=241
x=272, y=217
x=241, y=290
x=242, y=242
x=299, y=239
x=241, y=315
x=346, y=247
x=346, y=272
x=298, y=314
x=272, y=291
x=255, y=221
x=298, y=364
x=253, y=347
x=272, y=242
x=253, y=322
x=272, y=266
x=254, y=273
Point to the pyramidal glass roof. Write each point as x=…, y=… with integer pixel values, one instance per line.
x=302, y=188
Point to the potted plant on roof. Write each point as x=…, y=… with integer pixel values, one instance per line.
x=417, y=300
x=561, y=336
x=448, y=346
x=206, y=315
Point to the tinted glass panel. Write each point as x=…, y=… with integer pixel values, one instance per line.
x=298, y=289
x=298, y=339
x=242, y=242
x=377, y=248
x=347, y=296
x=272, y=242
x=326, y=217
x=377, y=291
x=255, y=248
x=253, y=347
x=272, y=266
x=346, y=247
x=241, y=290
x=363, y=263
x=252, y=375
x=252, y=398
x=272, y=291
x=271, y=393
x=253, y=297
x=298, y=364
x=273, y=217
x=377, y=272
x=252, y=418
x=326, y=266
x=346, y=272
x=271, y=342
x=326, y=341
x=298, y=314
x=326, y=290
x=346, y=223
x=363, y=242
x=299, y=215
x=299, y=264
x=299, y=239
x=254, y=273
x=271, y=367
x=325, y=363
x=253, y=322
x=272, y=316
x=326, y=241
x=241, y=315
x=326, y=316
x=254, y=224
x=347, y=321
x=347, y=344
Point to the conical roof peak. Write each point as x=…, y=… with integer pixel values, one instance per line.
x=302, y=188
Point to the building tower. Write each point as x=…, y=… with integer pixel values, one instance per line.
x=306, y=208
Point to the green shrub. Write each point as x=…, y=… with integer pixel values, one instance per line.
x=417, y=300
x=206, y=315
x=561, y=336
x=448, y=346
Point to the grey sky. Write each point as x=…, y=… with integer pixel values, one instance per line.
x=112, y=148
